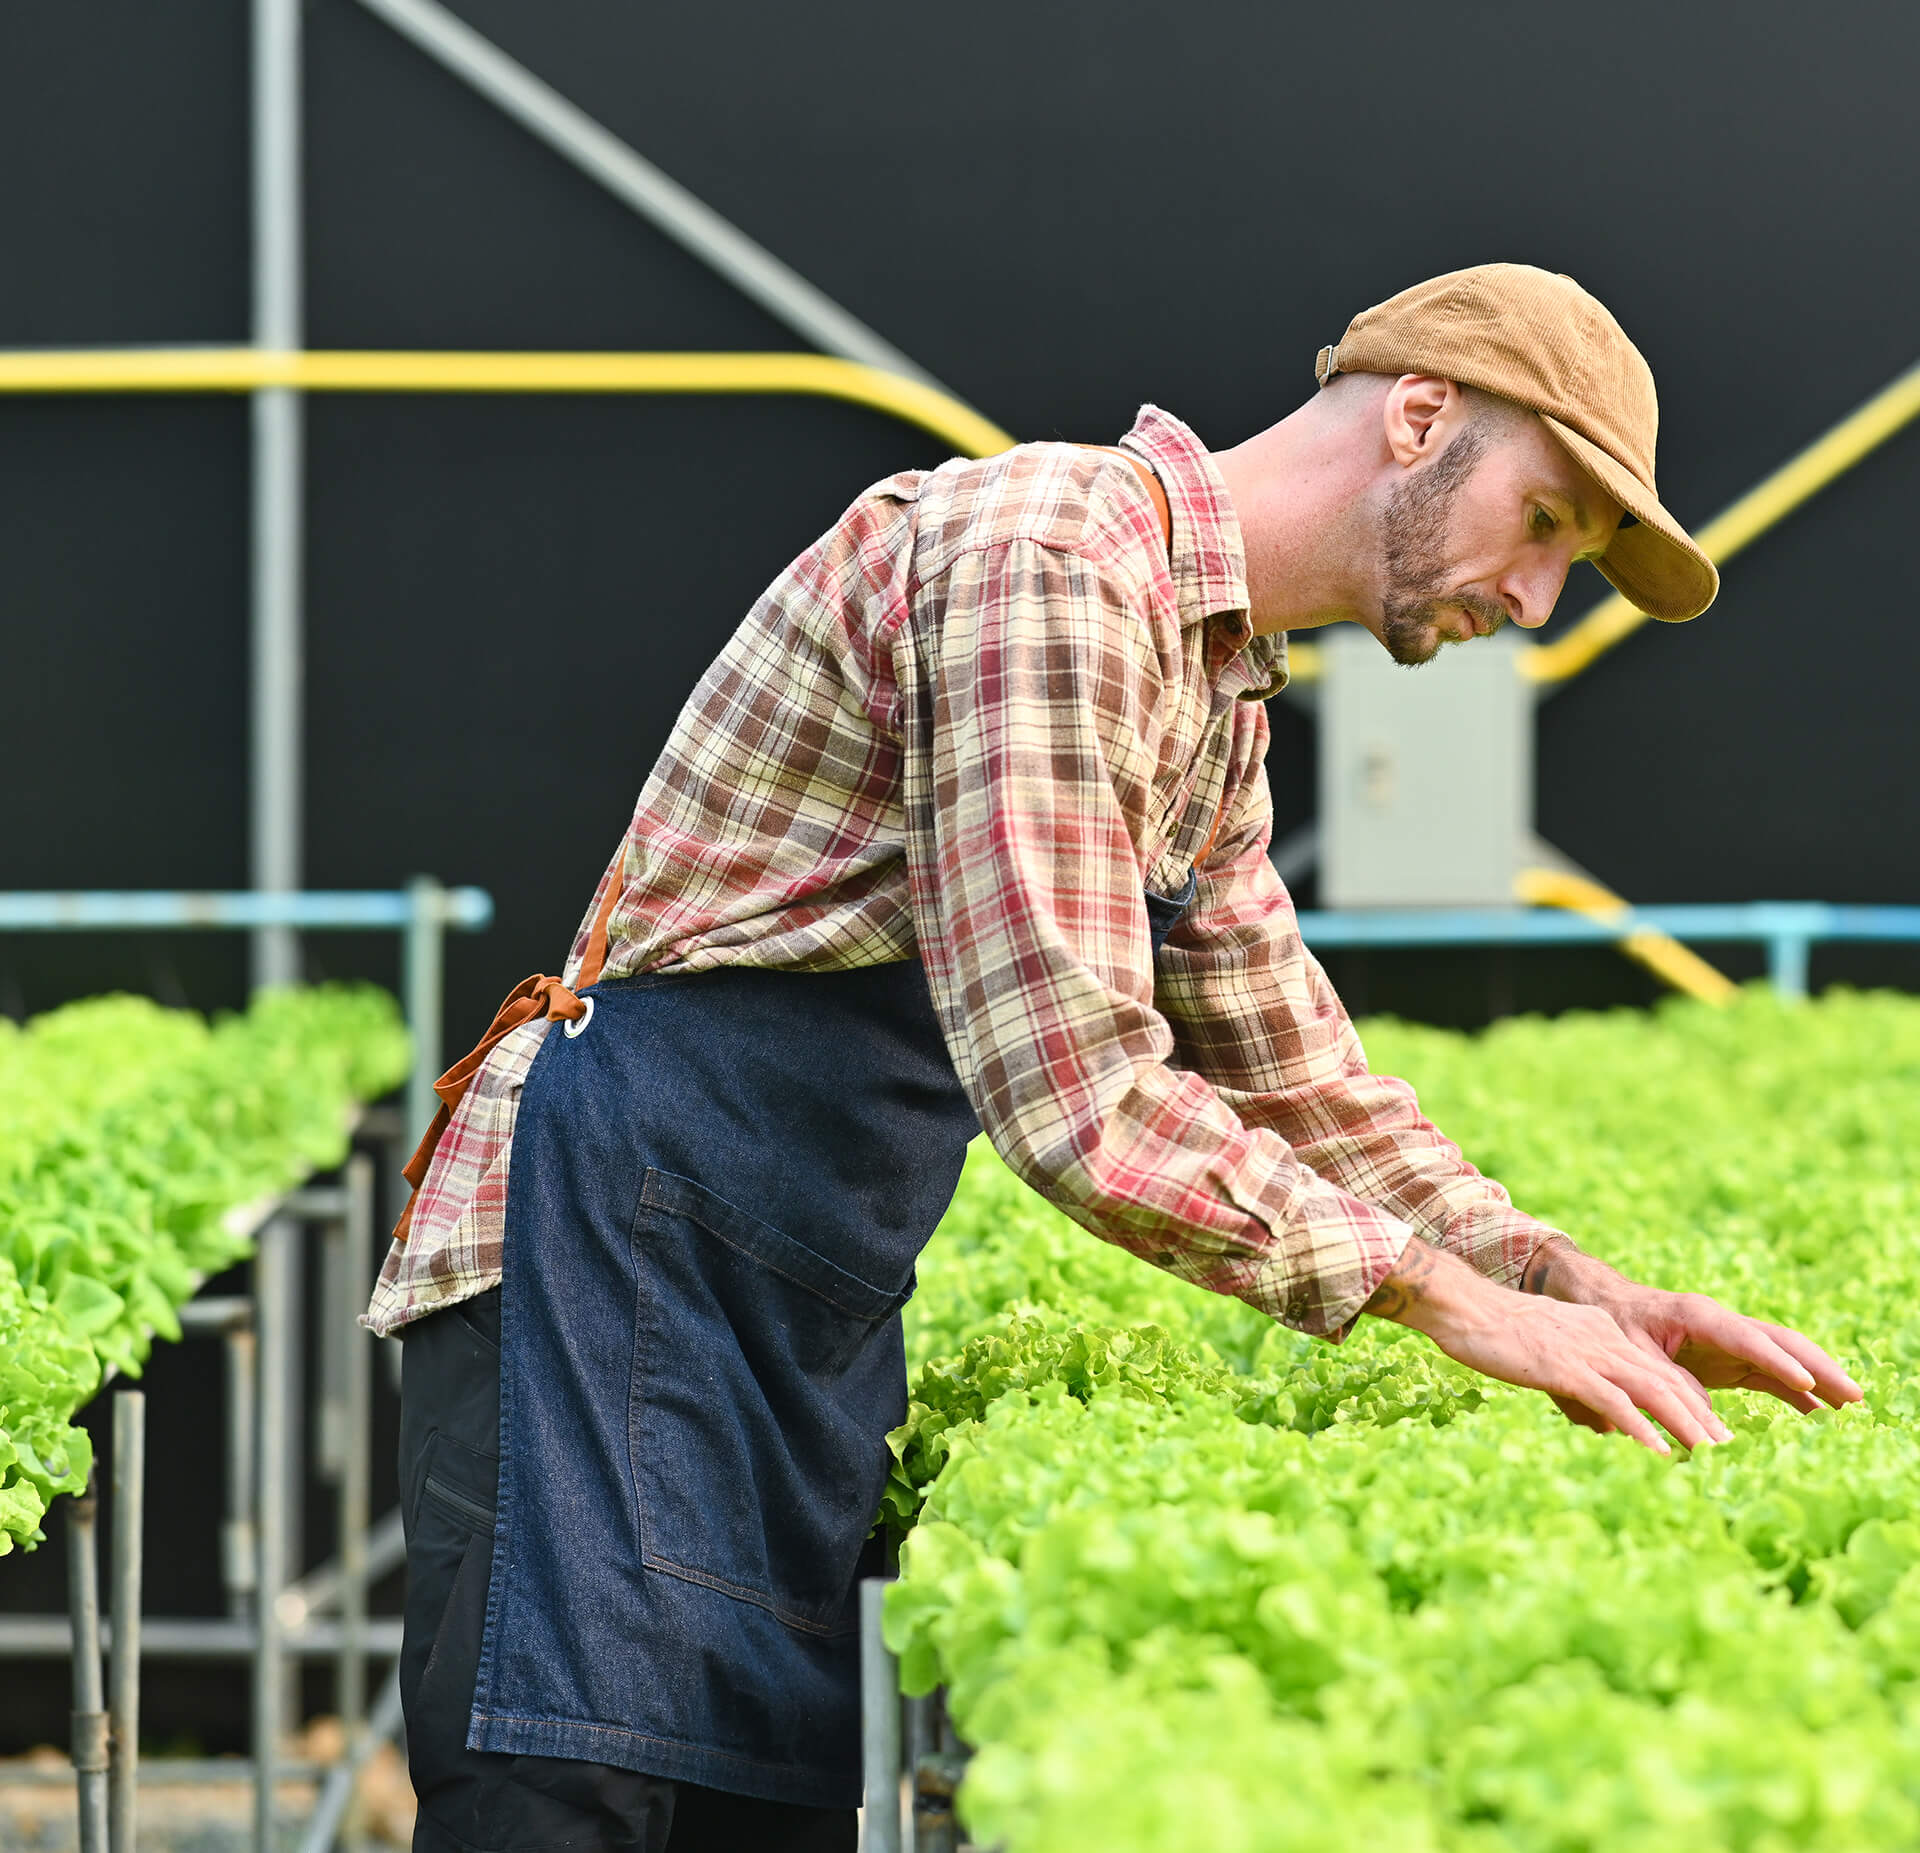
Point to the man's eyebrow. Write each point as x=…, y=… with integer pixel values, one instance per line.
x=1584, y=520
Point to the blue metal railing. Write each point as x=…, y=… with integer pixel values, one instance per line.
x=421, y=913
x=55, y=911
x=1788, y=929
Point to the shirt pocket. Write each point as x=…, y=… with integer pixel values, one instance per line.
x=765, y=1378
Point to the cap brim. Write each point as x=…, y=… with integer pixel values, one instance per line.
x=1656, y=564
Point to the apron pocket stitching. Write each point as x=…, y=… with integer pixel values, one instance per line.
x=675, y=1220
x=772, y=1248
x=719, y=1584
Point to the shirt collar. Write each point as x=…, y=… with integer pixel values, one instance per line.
x=1209, y=559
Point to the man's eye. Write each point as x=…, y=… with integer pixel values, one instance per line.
x=1542, y=523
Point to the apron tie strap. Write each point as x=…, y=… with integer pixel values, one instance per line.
x=538, y=996
x=533, y=997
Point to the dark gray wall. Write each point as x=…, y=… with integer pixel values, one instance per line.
x=1060, y=209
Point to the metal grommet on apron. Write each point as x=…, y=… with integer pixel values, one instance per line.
x=715, y=1205
x=574, y=1025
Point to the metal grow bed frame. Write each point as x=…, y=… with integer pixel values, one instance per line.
x=275, y=1615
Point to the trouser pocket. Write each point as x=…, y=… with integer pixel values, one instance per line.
x=450, y=1575
x=765, y=1379
x=449, y=1473
x=449, y=1561
x=453, y=1529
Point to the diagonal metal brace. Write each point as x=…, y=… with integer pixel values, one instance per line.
x=659, y=199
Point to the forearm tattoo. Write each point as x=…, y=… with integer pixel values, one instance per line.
x=1407, y=1284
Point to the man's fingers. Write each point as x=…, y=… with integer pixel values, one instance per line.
x=1755, y=1343
x=1830, y=1380
x=1580, y=1415
x=1608, y=1400
x=1677, y=1381
x=1625, y=1367
x=1647, y=1349
x=1676, y=1412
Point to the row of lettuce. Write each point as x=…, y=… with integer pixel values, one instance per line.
x=1192, y=1581
x=133, y=1141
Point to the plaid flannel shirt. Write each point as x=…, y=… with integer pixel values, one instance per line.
x=969, y=724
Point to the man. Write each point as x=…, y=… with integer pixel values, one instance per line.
x=967, y=829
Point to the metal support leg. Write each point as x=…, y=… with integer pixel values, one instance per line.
x=880, y=1724
x=273, y=1269
x=355, y=1471
x=90, y=1739
x=290, y=1449
x=278, y=671
x=922, y=1729
x=421, y=989
x=129, y=1511
x=950, y=1744
x=329, y=1437
x=278, y=488
x=336, y=1795
x=1787, y=964
x=239, y=1549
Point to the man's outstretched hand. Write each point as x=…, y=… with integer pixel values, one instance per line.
x=1603, y=1347
x=1719, y=1348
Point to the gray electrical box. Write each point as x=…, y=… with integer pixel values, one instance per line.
x=1426, y=775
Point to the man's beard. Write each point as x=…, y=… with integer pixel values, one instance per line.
x=1413, y=535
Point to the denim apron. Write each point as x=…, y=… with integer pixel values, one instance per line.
x=718, y=1189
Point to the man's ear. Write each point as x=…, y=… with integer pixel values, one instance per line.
x=1419, y=414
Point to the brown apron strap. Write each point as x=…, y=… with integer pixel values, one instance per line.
x=1213, y=835
x=533, y=997
x=594, y=961
x=538, y=996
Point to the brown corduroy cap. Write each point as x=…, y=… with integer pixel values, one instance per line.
x=1541, y=341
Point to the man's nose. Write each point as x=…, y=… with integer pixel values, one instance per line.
x=1531, y=593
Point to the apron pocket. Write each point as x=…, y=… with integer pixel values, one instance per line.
x=765, y=1379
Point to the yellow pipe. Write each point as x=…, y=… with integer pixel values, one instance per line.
x=242, y=369
x=1796, y=481
x=1662, y=955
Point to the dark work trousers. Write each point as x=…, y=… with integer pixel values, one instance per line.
x=474, y=1801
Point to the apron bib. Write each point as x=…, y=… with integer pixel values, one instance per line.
x=718, y=1189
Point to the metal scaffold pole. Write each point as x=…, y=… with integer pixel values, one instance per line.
x=91, y=1752
x=278, y=489
x=129, y=1522
x=277, y=798
x=346, y=1430
x=879, y=1725
x=422, y=990
x=238, y=1549
x=273, y=1271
